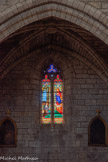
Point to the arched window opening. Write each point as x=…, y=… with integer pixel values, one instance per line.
x=52, y=96
x=97, y=132
x=7, y=133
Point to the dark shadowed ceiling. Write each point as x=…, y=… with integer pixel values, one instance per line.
x=51, y=31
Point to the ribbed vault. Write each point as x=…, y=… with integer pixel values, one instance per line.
x=50, y=35
x=24, y=13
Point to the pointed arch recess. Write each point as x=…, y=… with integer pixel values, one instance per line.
x=15, y=132
x=106, y=131
x=56, y=49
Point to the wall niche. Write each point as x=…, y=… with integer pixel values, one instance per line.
x=97, y=132
x=8, y=133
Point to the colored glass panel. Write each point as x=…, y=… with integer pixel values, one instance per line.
x=58, y=100
x=46, y=100
x=52, y=69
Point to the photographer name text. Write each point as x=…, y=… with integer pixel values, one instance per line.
x=14, y=158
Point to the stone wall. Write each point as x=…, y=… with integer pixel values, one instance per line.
x=100, y=4
x=84, y=92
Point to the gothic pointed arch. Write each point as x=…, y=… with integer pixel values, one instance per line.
x=97, y=132
x=28, y=12
x=8, y=133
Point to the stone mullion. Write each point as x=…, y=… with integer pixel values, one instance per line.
x=52, y=102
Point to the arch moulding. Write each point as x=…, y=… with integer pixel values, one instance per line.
x=24, y=13
x=58, y=50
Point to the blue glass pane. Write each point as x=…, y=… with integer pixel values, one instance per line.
x=52, y=69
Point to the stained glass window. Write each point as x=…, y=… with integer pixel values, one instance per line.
x=52, y=69
x=52, y=96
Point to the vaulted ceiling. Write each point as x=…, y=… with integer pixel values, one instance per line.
x=50, y=31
